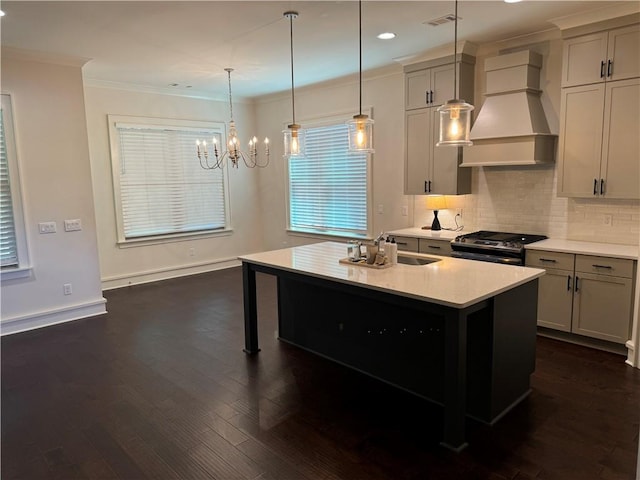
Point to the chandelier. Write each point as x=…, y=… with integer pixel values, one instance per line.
x=233, y=152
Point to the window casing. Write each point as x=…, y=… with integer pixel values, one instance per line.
x=160, y=190
x=14, y=255
x=329, y=189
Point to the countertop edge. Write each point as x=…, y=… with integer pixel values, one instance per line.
x=436, y=301
x=611, y=250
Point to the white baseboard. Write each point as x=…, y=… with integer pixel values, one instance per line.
x=46, y=318
x=630, y=355
x=156, y=275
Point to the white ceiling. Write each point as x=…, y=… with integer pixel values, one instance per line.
x=152, y=44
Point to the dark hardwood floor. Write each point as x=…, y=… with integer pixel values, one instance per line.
x=160, y=388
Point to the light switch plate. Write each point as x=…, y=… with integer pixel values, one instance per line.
x=72, y=225
x=47, y=227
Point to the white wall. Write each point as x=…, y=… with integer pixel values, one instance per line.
x=53, y=156
x=384, y=91
x=125, y=266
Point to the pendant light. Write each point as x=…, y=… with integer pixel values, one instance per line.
x=294, y=134
x=455, y=115
x=361, y=126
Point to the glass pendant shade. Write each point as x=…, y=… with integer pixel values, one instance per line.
x=455, y=124
x=360, y=134
x=294, y=140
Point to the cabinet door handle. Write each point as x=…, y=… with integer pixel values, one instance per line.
x=431, y=101
x=434, y=247
x=550, y=260
x=608, y=267
x=577, y=279
x=602, y=186
x=429, y=186
x=595, y=186
x=426, y=97
x=602, y=69
x=609, y=69
x=568, y=283
x=426, y=188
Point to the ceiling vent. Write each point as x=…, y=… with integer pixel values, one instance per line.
x=448, y=18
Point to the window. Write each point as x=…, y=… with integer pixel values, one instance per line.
x=329, y=187
x=160, y=189
x=14, y=260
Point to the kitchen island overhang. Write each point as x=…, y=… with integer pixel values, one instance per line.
x=456, y=332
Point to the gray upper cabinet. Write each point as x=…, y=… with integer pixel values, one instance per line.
x=430, y=169
x=429, y=87
x=598, y=149
x=601, y=57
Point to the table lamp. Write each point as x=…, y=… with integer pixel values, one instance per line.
x=435, y=203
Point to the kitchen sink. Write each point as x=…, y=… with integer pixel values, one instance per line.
x=407, y=260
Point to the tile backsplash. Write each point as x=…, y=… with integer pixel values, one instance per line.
x=523, y=199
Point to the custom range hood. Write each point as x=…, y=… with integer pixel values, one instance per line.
x=511, y=128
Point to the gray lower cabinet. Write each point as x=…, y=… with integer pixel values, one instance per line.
x=408, y=244
x=584, y=294
x=424, y=245
x=435, y=247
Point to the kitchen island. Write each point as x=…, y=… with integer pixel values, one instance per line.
x=456, y=332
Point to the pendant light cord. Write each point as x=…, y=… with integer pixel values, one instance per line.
x=455, y=52
x=360, y=35
x=293, y=98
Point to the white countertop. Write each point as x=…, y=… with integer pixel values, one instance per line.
x=451, y=282
x=586, y=248
x=419, y=233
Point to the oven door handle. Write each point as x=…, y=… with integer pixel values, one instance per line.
x=483, y=257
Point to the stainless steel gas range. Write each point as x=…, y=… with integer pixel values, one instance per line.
x=496, y=247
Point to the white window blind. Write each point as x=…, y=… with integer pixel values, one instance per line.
x=328, y=187
x=8, y=243
x=163, y=190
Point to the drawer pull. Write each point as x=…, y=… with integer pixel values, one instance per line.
x=608, y=267
x=434, y=246
x=568, y=283
x=402, y=243
x=550, y=260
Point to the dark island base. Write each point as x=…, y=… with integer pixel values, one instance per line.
x=475, y=361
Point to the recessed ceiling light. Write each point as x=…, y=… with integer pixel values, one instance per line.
x=1, y=13
x=512, y=1
x=386, y=36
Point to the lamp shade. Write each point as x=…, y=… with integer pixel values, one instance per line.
x=360, y=134
x=436, y=202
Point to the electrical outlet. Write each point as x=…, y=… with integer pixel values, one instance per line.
x=380, y=208
x=67, y=288
x=47, y=227
x=608, y=220
x=192, y=252
x=405, y=210
x=72, y=225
